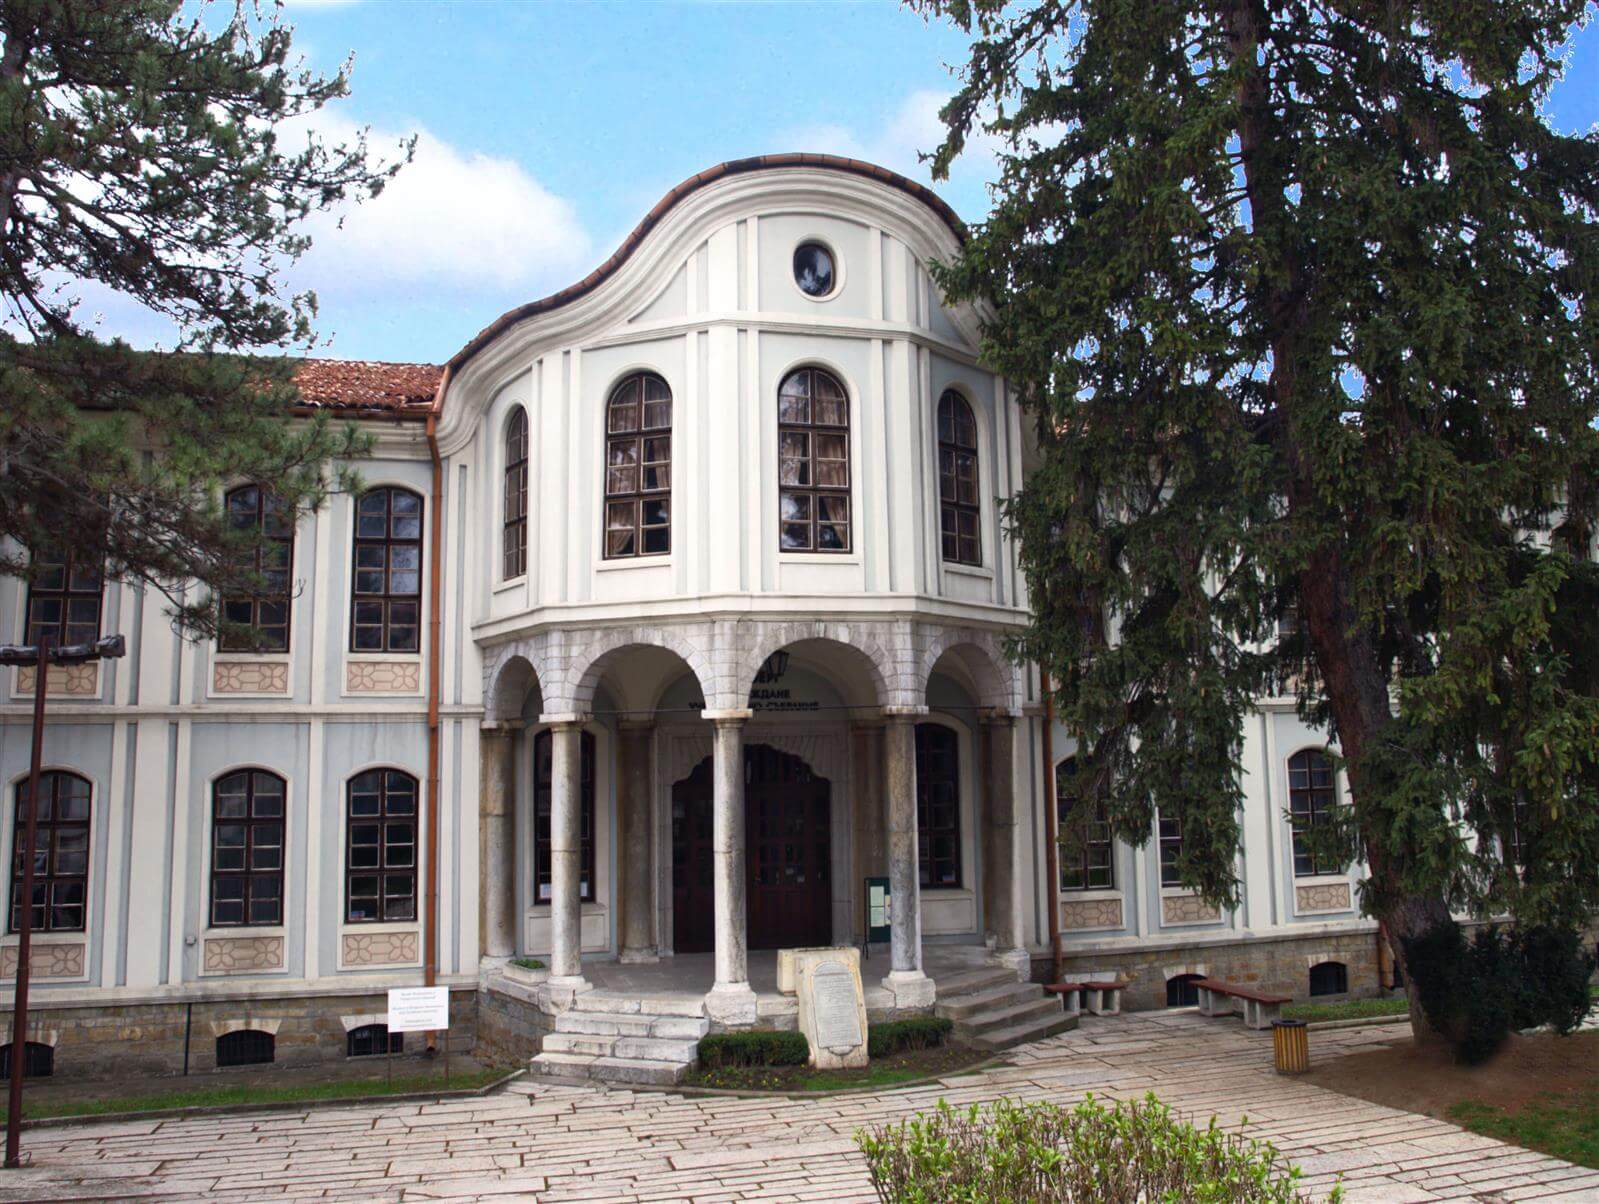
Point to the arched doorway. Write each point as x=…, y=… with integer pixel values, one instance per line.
x=788, y=843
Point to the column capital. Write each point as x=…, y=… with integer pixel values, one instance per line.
x=501, y=727
x=566, y=719
x=905, y=714
x=998, y=716
x=732, y=717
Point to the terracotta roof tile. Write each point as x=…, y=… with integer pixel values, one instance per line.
x=368, y=386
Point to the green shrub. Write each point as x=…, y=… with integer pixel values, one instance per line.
x=754, y=1049
x=527, y=963
x=1476, y=993
x=918, y=1032
x=1049, y=1153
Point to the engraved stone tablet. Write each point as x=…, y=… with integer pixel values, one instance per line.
x=837, y=1025
x=832, y=1006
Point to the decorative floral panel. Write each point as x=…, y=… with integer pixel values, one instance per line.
x=1091, y=913
x=1187, y=909
x=1332, y=896
x=243, y=954
x=381, y=948
x=249, y=677
x=382, y=677
x=71, y=681
x=45, y=961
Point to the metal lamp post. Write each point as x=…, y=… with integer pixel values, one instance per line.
x=41, y=656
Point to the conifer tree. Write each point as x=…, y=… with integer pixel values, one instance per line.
x=1300, y=295
x=159, y=152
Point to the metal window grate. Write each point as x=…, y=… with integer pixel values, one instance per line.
x=246, y=1047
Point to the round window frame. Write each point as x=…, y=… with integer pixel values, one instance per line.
x=838, y=268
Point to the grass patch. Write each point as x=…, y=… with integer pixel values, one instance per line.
x=233, y=1095
x=1560, y=1127
x=881, y=1072
x=1348, y=1009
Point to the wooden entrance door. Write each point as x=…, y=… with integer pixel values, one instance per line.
x=787, y=834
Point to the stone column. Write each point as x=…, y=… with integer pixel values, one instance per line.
x=637, y=841
x=731, y=1000
x=566, y=852
x=866, y=799
x=911, y=988
x=1001, y=879
x=497, y=841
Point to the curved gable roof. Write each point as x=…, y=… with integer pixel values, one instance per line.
x=693, y=184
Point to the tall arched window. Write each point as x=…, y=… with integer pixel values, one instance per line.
x=513, y=537
x=638, y=468
x=386, y=602
x=60, y=853
x=1312, y=795
x=1092, y=865
x=251, y=508
x=543, y=796
x=247, y=818
x=813, y=463
x=959, y=512
x=380, y=847
x=938, y=805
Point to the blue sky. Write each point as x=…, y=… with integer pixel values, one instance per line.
x=547, y=129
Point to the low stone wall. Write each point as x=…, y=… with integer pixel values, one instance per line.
x=134, y=1039
x=510, y=1026
x=1280, y=966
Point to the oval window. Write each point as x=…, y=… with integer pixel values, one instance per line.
x=813, y=269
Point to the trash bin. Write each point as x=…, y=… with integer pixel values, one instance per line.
x=1290, y=1042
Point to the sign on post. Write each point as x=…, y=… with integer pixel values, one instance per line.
x=878, y=907
x=419, y=1009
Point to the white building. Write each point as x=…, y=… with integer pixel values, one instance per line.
x=673, y=610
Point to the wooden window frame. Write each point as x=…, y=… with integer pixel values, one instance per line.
x=250, y=606
x=388, y=598
x=75, y=586
x=543, y=814
x=629, y=502
x=807, y=495
x=248, y=872
x=927, y=832
x=1309, y=805
x=1098, y=854
x=1169, y=839
x=959, y=494
x=513, y=498
x=48, y=879
x=399, y=906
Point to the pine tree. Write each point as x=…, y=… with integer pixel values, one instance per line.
x=1299, y=293
x=148, y=150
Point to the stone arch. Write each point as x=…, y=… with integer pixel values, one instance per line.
x=589, y=662
x=861, y=645
x=979, y=658
x=511, y=678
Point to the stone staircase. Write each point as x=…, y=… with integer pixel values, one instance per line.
x=991, y=1010
x=620, y=1038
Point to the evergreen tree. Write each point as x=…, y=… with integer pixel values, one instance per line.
x=1298, y=292
x=143, y=152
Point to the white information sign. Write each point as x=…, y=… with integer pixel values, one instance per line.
x=419, y=1009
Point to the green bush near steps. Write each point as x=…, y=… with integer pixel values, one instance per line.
x=918, y=1032
x=761, y=1048
x=1053, y=1154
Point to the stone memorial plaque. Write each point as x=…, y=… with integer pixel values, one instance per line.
x=837, y=1024
x=832, y=1006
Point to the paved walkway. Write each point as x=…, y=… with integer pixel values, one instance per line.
x=556, y=1143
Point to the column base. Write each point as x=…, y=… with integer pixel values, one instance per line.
x=731, y=1003
x=638, y=957
x=1018, y=960
x=911, y=989
x=560, y=993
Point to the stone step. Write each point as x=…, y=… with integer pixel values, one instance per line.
x=970, y=982
x=591, y=1045
x=636, y=1024
x=1004, y=1038
x=1007, y=995
x=607, y=1069
x=651, y=1005
x=657, y=1049
x=1027, y=1012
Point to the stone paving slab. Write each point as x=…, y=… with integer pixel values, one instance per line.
x=569, y=1143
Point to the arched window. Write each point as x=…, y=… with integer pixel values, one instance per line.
x=371, y=1039
x=959, y=511
x=1329, y=978
x=60, y=853
x=386, y=602
x=1312, y=795
x=38, y=1060
x=1181, y=991
x=513, y=537
x=251, y=508
x=63, y=600
x=380, y=847
x=543, y=775
x=638, y=468
x=247, y=816
x=1091, y=863
x=938, y=805
x=245, y=1047
x=813, y=463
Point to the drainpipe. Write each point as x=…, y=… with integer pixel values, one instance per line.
x=430, y=922
x=1051, y=825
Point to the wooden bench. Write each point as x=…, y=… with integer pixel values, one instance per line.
x=1102, y=997
x=1260, y=1009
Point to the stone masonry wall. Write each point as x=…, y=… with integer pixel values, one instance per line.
x=510, y=1028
